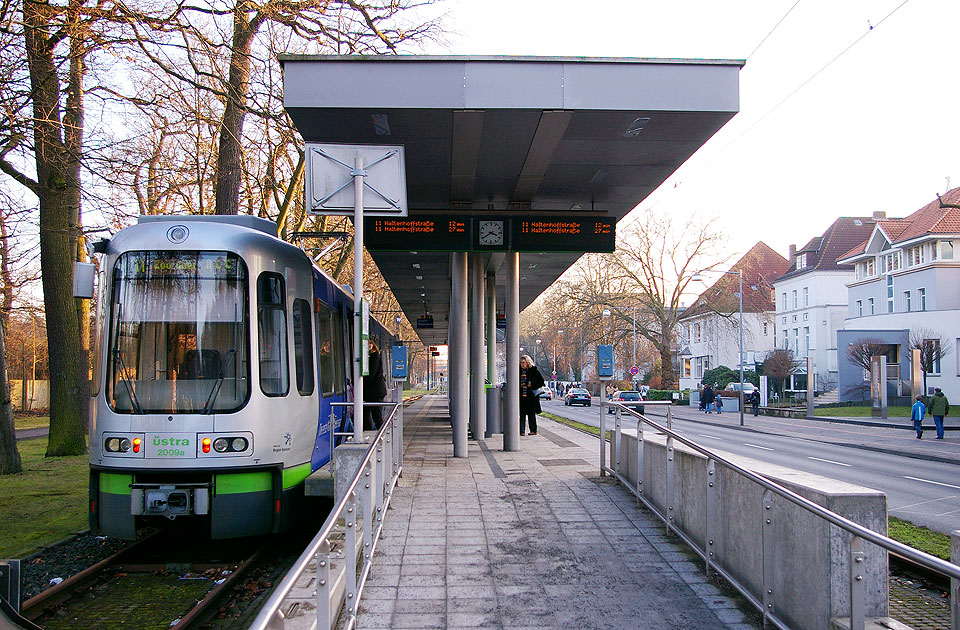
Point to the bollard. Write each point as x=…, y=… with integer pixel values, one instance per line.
x=494, y=411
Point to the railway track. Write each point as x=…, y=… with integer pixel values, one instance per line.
x=159, y=582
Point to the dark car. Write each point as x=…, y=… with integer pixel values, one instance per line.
x=577, y=396
x=628, y=398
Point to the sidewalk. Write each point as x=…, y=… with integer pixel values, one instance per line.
x=529, y=539
x=894, y=435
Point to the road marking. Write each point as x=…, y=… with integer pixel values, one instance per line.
x=937, y=483
x=830, y=461
x=760, y=447
x=712, y=437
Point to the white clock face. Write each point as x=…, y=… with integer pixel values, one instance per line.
x=491, y=232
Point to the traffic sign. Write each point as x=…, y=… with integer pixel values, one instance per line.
x=634, y=370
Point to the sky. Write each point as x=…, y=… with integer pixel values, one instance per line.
x=846, y=106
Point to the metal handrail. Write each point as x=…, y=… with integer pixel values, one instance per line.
x=270, y=615
x=859, y=532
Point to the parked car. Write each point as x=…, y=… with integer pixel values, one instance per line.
x=577, y=396
x=629, y=398
x=748, y=389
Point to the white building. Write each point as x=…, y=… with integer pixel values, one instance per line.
x=811, y=297
x=709, y=334
x=906, y=284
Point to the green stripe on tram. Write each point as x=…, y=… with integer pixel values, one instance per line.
x=295, y=475
x=112, y=483
x=239, y=483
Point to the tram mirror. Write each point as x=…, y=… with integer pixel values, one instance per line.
x=83, y=275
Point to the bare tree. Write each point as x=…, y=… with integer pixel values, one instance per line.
x=780, y=364
x=860, y=351
x=932, y=346
x=9, y=455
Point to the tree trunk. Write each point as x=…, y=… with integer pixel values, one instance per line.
x=9, y=455
x=231, y=128
x=57, y=235
x=666, y=366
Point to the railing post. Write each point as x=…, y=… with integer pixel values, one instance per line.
x=670, y=417
x=639, y=457
x=398, y=430
x=324, y=621
x=769, y=557
x=618, y=425
x=366, y=513
x=857, y=588
x=954, y=582
x=603, y=438
x=388, y=454
x=713, y=514
x=671, y=489
x=350, y=555
x=378, y=487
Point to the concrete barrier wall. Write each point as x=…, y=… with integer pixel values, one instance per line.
x=811, y=557
x=29, y=395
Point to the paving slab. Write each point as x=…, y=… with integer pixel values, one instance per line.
x=527, y=539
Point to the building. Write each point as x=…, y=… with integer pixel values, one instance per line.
x=905, y=289
x=811, y=298
x=709, y=329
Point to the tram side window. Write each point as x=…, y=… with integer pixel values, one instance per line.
x=303, y=347
x=339, y=366
x=272, y=321
x=326, y=350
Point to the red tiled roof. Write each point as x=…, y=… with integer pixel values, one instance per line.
x=760, y=266
x=930, y=219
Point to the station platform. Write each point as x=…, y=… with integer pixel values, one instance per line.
x=528, y=539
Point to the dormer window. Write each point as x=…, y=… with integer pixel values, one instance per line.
x=801, y=261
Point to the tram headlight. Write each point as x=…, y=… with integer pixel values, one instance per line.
x=112, y=445
x=238, y=444
x=124, y=445
x=136, y=444
x=205, y=445
x=221, y=445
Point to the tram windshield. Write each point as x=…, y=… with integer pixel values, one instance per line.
x=178, y=333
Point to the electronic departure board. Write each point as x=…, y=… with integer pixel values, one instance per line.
x=563, y=234
x=424, y=232
x=490, y=233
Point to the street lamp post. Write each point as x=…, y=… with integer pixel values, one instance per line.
x=606, y=313
x=696, y=277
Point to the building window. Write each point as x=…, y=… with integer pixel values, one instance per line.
x=697, y=332
x=794, y=318
x=796, y=341
x=915, y=255
x=801, y=261
x=859, y=308
x=686, y=368
x=794, y=298
x=889, y=294
x=870, y=267
x=784, y=320
x=806, y=340
x=872, y=307
x=922, y=298
x=931, y=348
x=906, y=301
x=806, y=296
x=764, y=329
x=786, y=343
x=946, y=250
x=957, y=353
x=806, y=316
x=933, y=250
x=783, y=301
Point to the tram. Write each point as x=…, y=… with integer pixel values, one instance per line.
x=220, y=349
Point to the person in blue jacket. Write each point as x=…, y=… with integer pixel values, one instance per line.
x=916, y=413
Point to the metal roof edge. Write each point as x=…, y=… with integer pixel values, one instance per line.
x=510, y=58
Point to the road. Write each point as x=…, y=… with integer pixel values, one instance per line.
x=919, y=490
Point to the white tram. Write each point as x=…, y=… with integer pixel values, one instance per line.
x=220, y=350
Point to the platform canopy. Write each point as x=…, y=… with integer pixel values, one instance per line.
x=514, y=137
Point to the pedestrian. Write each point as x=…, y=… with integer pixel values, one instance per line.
x=938, y=407
x=374, y=389
x=755, y=401
x=719, y=404
x=708, y=397
x=916, y=414
x=530, y=382
x=609, y=390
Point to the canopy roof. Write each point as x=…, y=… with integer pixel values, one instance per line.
x=511, y=136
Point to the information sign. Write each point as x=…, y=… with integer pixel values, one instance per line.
x=399, y=362
x=605, y=361
x=424, y=232
x=563, y=234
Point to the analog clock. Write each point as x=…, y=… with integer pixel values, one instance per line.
x=491, y=232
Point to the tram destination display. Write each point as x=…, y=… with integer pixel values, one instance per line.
x=529, y=233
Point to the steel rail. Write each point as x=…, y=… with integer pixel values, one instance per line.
x=270, y=615
x=860, y=533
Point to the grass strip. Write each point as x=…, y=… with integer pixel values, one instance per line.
x=865, y=412
x=576, y=425
x=45, y=503
x=30, y=422
x=919, y=537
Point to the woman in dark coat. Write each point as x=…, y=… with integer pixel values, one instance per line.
x=530, y=382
